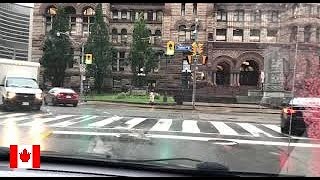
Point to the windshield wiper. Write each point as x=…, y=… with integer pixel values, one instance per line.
x=154, y=160
x=27, y=86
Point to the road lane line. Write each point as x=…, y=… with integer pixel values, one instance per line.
x=162, y=125
x=190, y=126
x=273, y=127
x=44, y=120
x=253, y=129
x=223, y=128
x=160, y=136
x=105, y=121
x=131, y=123
x=71, y=122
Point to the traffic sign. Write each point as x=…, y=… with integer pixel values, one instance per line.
x=88, y=58
x=170, y=48
x=182, y=47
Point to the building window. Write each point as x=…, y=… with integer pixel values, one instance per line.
x=239, y=15
x=294, y=34
x=88, y=20
x=195, y=8
x=71, y=12
x=123, y=14
x=50, y=13
x=238, y=35
x=159, y=15
x=150, y=16
x=255, y=35
x=210, y=36
x=114, y=36
x=274, y=16
x=192, y=34
x=307, y=33
x=183, y=9
x=158, y=37
x=114, y=14
x=150, y=37
x=308, y=9
x=272, y=33
x=256, y=16
x=318, y=11
x=121, y=61
x=182, y=33
x=124, y=36
x=318, y=35
x=221, y=15
x=221, y=34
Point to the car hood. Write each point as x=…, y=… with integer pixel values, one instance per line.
x=23, y=90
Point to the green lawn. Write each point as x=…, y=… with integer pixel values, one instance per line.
x=128, y=99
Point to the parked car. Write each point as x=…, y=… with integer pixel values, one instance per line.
x=64, y=96
x=301, y=112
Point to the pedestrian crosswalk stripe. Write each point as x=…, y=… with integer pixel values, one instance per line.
x=37, y=120
x=131, y=123
x=253, y=129
x=162, y=125
x=190, y=126
x=68, y=123
x=223, y=128
x=14, y=119
x=105, y=121
x=13, y=115
x=273, y=127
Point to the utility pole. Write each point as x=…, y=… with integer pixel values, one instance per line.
x=195, y=62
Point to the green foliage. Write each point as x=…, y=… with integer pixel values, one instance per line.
x=57, y=51
x=121, y=95
x=98, y=44
x=157, y=96
x=141, y=54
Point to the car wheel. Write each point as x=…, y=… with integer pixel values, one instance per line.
x=75, y=104
x=284, y=130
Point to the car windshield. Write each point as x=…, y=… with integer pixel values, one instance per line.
x=21, y=83
x=169, y=84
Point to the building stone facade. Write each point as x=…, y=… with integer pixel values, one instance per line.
x=242, y=41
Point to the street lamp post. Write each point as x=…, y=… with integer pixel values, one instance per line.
x=80, y=64
x=195, y=68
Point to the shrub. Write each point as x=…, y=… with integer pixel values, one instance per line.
x=157, y=96
x=121, y=95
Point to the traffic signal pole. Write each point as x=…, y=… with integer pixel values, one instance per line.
x=81, y=72
x=195, y=62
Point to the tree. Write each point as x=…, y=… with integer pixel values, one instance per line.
x=141, y=54
x=57, y=51
x=98, y=44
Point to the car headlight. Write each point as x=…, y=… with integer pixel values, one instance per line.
x=39, y=95
x=11, y=95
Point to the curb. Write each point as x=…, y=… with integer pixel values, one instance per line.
x=171, y=107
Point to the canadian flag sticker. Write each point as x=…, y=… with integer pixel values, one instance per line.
x=24, y=156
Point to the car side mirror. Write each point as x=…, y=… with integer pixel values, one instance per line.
x=1, y=84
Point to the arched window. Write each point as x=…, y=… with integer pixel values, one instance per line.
x=114, y=36
x=223, y=74
x=249, y=73
x=71, y=12
x=88, y=20
x=195, y=8
x=294, y=34
x=307, y=33
x=182, y=33
x=50, y=13
x=159, y=15
x=124, y=36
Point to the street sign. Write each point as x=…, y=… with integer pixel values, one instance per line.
x=170, y=48
x=88, y=58
x=183, y=48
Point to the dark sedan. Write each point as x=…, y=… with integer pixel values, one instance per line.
x=299, y=113
x=63, y=96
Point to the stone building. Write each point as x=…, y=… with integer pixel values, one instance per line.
x=241, y=40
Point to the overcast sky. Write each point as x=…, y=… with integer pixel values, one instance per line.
x=26, y=4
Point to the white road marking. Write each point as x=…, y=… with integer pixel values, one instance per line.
x=13, y=115
x=253, y=129
x=223, y=128
x=190, y=126
x=70, y=122
x=44, y=120
x=131, y=123
x=162, y=125
x=240, y=141
x=15, y=119
x=273, y=127
x=105, y=121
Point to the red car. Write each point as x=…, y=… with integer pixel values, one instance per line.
x=64, y=96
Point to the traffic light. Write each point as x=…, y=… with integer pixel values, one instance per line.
x=88, y=58
x=204, y=60
x=200, y=48
x=194, y=48
x=170, y=48
x=189, y=59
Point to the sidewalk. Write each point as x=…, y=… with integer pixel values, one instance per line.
x=213, y=107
